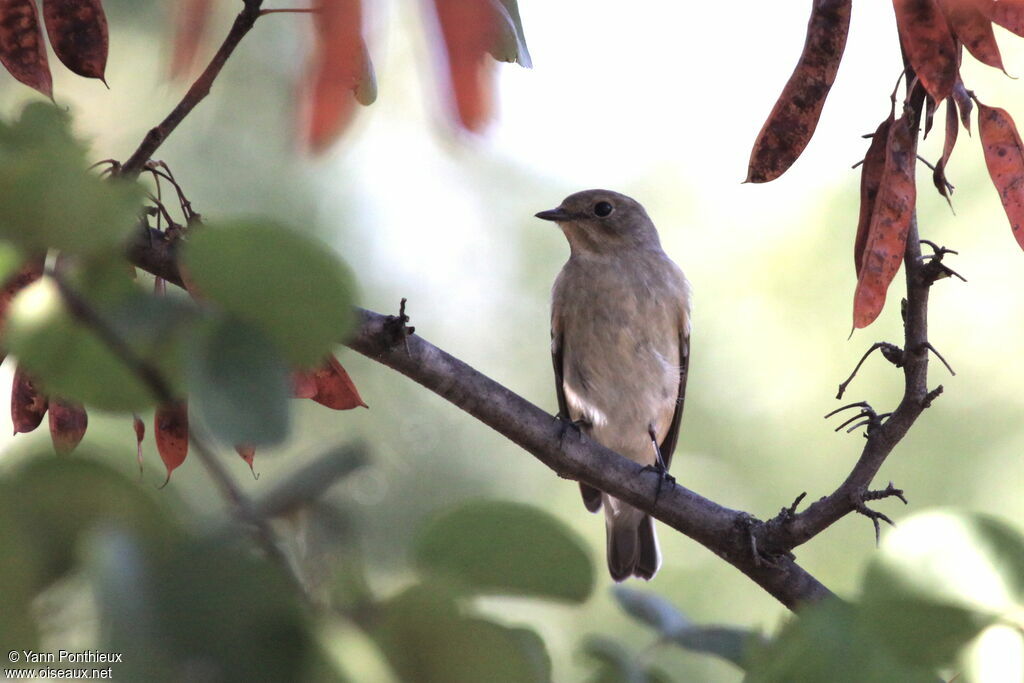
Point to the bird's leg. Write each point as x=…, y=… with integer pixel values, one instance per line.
x=659, y=464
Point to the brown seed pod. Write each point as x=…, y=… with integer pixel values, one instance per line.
x=171, y=434
x=890, y=223
x=794, y=117
x=28, y=404
x=1004, y=156
x=22, y=51
x=68, y=422
x=78, y=35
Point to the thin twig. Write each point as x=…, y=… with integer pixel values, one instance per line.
x=242, y=507
x=199, y=90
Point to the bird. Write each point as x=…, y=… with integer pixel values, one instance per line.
x=620, y=345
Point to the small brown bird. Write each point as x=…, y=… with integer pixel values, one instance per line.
x=620, y=341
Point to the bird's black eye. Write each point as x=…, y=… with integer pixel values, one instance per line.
x=603, y=209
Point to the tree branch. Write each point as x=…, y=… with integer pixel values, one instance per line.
x=726, y=532
x=199, y=90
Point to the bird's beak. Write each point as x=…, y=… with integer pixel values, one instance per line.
x=558, y=215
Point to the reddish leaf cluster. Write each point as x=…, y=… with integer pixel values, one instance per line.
x=932, y=35
x=328, y=384
x=340, y=73
x=78, y=34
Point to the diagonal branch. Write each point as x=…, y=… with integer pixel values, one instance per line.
x=724, y=531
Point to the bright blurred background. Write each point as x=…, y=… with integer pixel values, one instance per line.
x=661, y=101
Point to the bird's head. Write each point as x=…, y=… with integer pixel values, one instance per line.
x=602, y=222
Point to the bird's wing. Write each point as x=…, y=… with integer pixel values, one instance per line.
x=591, y=496
x=556, y=361
x=668, y=445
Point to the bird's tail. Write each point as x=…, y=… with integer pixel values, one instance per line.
x=632, y=544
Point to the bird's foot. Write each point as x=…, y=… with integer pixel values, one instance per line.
x=663, y=477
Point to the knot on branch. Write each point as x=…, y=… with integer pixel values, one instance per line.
x=751, y=527
x=395, y=329
x=935, y=269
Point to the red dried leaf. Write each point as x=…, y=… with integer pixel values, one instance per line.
x=470, y=29
x=303, y=384
x=890, y=223
x=29, y=272
x=870, y=179
x=1004, y=156
x=140, y=434
x=963, y=103
x=930, y=106
x=794, y=117
x=1007, y=13
x=928, y=44
x=973, y=28
x=191, y=19
x=78, y=35
x=68, y=422
x=22, y=51
x=340, y=73
x=248, y=454
x=171, y=434
x=334, y=388
x=28, y=404
x=952, y=129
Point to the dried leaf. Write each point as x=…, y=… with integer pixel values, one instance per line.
x=928, y=44
x=952, y=129
x=1004, y=156
x=28, y=404
x=1007, y=13
x=140, y=434
x=870, y=179
x=78, y=35
x=890, y=223
x=22, y=51
x=469, y=29
x=191, y=19
x=973, y=28
x=334, y=388
x=339, y=74
x=171, y=434
x=963, y=103
x=248, y=454
x=794, y=117
x=68, y=422
x=303, y=384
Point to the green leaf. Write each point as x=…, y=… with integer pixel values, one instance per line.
x=238, y=383
x=506, y=548
x=54, y=500
x=829, y=641
x=48, y=198
x=10, y=260
x=70, y=360
x=427, y=639
x=291, y=287
x=201, y=605
x=731, y=644
x=615, y=663
x=939, y=579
